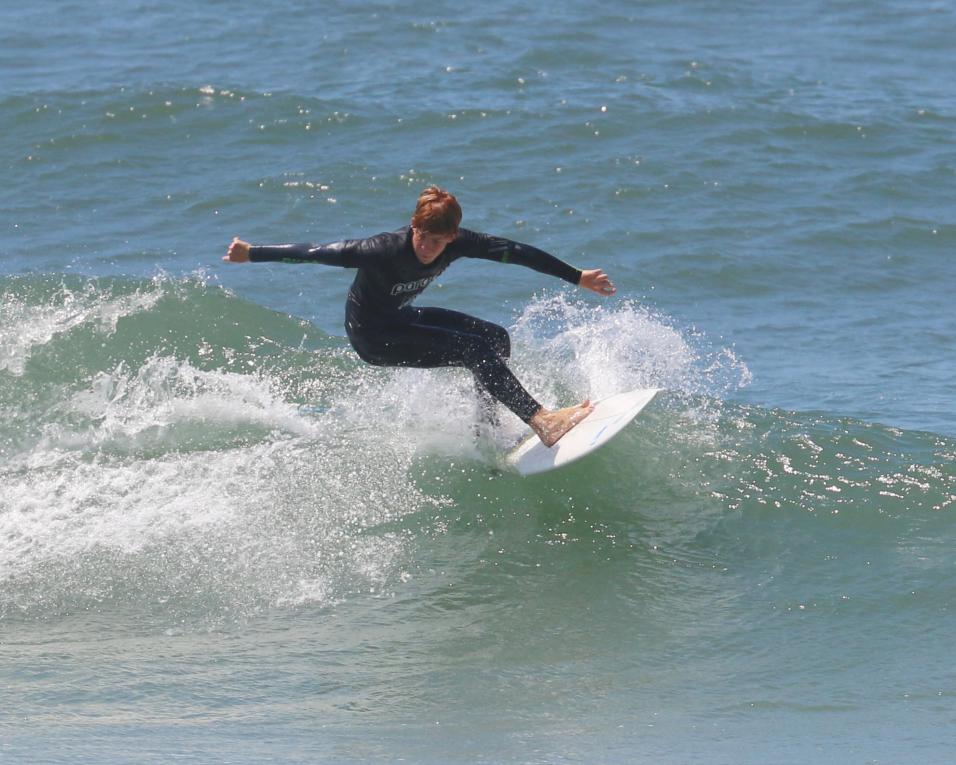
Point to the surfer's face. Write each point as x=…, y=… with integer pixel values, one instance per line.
x=429, y=246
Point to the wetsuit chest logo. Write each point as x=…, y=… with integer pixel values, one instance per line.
x=416, y=286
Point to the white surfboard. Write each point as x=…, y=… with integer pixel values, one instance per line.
x=610, y=415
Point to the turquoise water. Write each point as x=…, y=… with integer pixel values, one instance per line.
x=194, y=566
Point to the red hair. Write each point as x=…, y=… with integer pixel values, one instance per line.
x=437, y=212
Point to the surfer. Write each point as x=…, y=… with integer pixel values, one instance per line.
x=394, y=268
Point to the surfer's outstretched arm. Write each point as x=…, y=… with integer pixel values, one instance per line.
x=485, y=247
x=349, y=253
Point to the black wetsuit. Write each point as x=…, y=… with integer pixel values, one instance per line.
x=386, y=330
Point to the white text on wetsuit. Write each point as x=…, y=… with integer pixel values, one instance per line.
x=416, y=286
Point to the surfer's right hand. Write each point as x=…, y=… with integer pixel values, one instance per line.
x=238, y=251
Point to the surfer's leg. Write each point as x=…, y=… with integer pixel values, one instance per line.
x=549, y=424
x=495, y=335
x=487, y=365
x=440, y=338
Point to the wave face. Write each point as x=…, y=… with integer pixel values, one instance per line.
x=179, y=461
x=151, y=442
x=159, y=454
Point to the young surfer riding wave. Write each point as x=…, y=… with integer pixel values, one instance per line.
x=394, y=268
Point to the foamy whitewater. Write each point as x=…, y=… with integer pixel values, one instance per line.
x=225, y=539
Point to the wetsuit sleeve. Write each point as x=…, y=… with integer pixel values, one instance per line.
x=349, y=253
x=506, y=251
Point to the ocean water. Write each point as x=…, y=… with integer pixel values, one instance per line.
x=224, y=539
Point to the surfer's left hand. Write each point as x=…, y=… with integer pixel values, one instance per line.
x=597, y=281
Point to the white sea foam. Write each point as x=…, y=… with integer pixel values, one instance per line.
x=146, y=407
x=597, y=351
x=207, y=488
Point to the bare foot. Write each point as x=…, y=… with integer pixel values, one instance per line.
x=550, y=425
